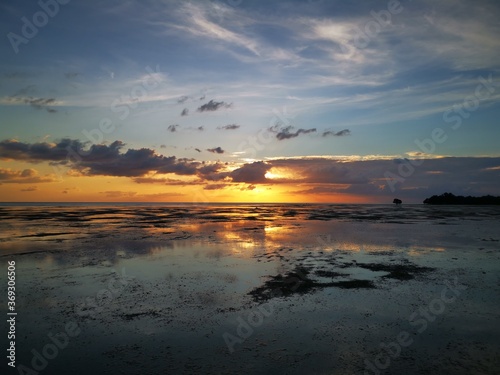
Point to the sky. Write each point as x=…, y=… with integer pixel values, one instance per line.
x=248, y=101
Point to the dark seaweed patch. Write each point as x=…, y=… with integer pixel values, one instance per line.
x=298, y=282
x=324, y=273
x=354, y=284
x=396, y=271
x=131, y=316
x=294, y=282
x=46, y=234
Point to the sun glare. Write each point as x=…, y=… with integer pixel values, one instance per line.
x=278, y=174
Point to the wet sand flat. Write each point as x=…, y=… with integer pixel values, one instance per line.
x=273, y=289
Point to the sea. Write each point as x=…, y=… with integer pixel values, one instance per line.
x=173, y=288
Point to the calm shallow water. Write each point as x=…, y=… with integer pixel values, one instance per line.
x=156, y=289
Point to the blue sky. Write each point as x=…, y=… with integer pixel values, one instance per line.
x=357, y=80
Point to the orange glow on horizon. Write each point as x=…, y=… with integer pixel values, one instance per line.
x=119, y=189
x=76, y=188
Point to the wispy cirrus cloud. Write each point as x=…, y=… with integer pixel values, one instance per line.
x=37, y=103
x=199, y=24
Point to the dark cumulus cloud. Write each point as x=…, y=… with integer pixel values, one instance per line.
x=216, y=150
x=341, y=133
x=39, y=152
x=459, y=175
x=251, y=173
x=185, y=112
x=104, y=160
x=212, y=106
x=206, y=168
x=109, y=161
x=173, y=128
x=26, y=176
x=229, y=127
x=288, y=133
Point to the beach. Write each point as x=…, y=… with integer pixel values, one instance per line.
x=258, y=289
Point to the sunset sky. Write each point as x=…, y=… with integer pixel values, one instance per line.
x=249, y=100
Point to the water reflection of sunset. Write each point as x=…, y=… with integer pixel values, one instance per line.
x=273, y=229
x=249, y=228
x=242, y=242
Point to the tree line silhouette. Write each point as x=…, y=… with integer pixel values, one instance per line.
x=449, y=198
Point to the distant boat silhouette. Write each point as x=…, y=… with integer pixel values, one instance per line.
x=397, y=201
